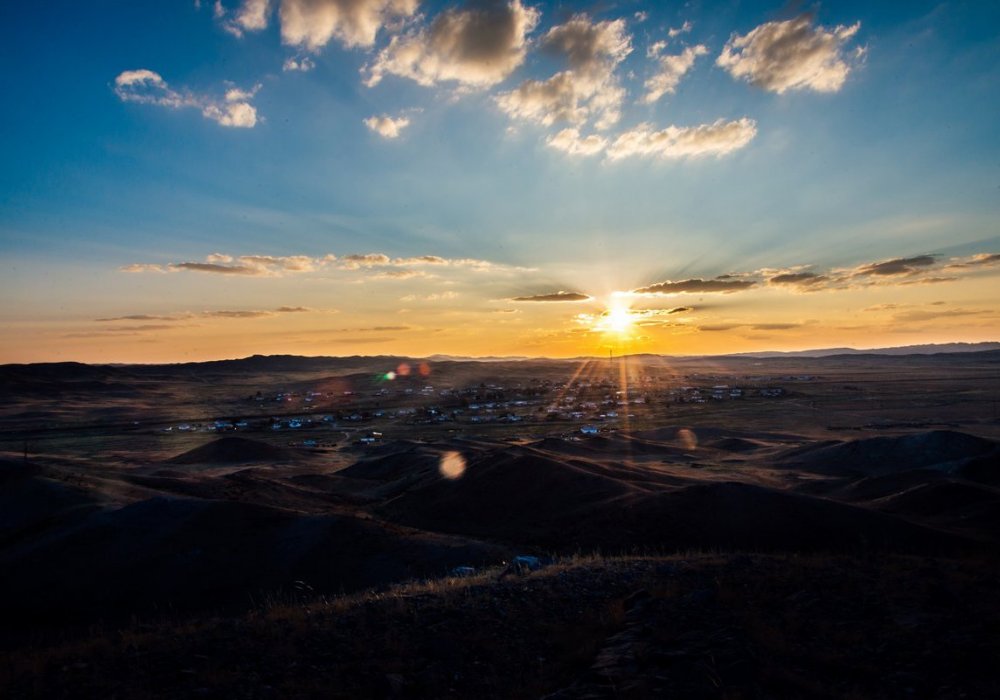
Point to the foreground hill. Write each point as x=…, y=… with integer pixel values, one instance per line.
x=711, y=626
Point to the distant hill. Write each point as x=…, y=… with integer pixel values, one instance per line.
x=929, y=349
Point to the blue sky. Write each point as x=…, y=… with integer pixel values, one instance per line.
x=885, y=149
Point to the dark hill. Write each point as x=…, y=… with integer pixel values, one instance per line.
x=535, y=500
x=191, y=553
x=942, y=449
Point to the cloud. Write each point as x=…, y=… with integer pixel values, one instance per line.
x=250, y=16
x=570, y=141
x=790, y=55
x=588, y=89
x=477, y=46
x=312, y=24
x=188, y=315
x=236, y=314
x=302, y=65
x=144, y=86
x=143, y=267
x=978, y=260
x=378, y=265
x=671, y=70
x=143, y=317
x=683, y=29
x=696, y=286
x=555, y=296
x=897, y=266
x=356, y=260
x=216, y=268
x=715, y=139
x=437, y=296
x=387, y=127
x=801, y=279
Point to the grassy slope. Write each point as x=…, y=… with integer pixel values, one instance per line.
x=700, y=625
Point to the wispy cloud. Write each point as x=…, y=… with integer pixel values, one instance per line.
x=144, y=86
x=790, y=55
x=373, y=265
x=715, y=139
x=671, y=70
x=900, y=271
x=696, y=286
x=555, y=296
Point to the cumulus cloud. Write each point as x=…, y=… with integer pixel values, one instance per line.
x=790, y=55
x=312, y=24
x=715, y=139
x=302, y=65
x=555, y=296
x=476, y=46
x=588, y=89
x=144, y=86
x=387, y=127
x=671, y=70
x=696, y=286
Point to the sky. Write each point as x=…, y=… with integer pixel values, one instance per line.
x=202, y=180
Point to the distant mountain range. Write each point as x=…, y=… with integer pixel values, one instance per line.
x=58, y=371
x=929, y=349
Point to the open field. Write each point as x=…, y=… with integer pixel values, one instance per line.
x=271, y=508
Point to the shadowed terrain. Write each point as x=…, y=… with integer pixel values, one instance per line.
x=317, y=511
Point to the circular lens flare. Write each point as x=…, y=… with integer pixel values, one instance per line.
x=452, y=465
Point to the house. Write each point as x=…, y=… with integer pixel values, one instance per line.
x=589, y=430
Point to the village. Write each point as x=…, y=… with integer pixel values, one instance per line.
x=364, y=413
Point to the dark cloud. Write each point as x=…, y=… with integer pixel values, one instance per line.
x=236, y=314
x=139, y=317
x=898, y=266
x=555, y=296
x=217, y=268
x=694, y=286
x=774, y=326
x=292, y=309
x=804, y=279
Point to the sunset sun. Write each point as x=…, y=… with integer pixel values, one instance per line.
x=617, y=320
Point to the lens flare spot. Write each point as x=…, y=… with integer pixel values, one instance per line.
x=452, y=465
x=425, y=369
x=390, y=375
x=687, y=438
x=403, y=370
